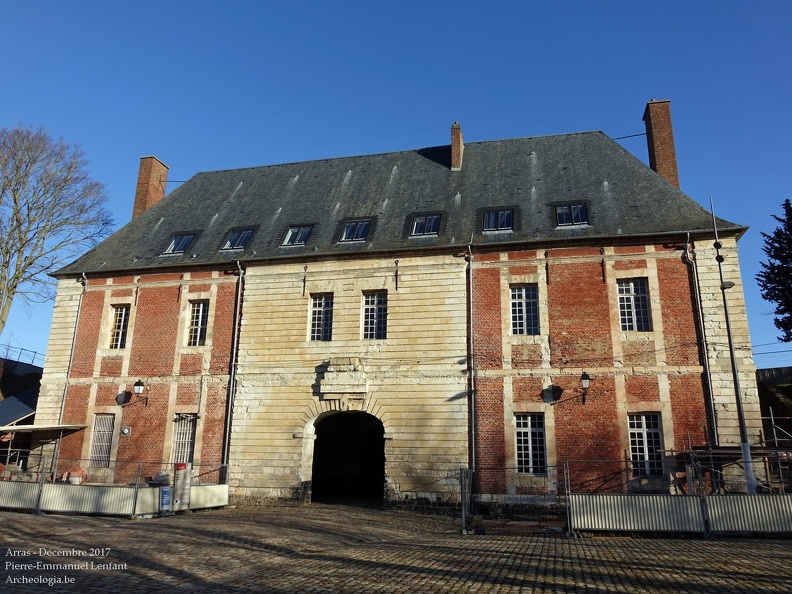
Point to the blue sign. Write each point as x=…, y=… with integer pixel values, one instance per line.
x=165, y=498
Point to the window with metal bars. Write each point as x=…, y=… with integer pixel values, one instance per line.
x=322, y=316
x=375, y=315
x=646, y=444
x=531, y=449
x=634, y=313
x=184, y=437
x=525, y=309
x=118, y=333
x=199, y=320
x=102, y=440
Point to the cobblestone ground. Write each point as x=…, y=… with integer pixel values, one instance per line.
x=328, y=549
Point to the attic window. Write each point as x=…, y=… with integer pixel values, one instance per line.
x=237, y=239
x=498, y=220
x=425, y=225
x=355, y=230
x=571, y=214
x=297, y=235
x=179, y=243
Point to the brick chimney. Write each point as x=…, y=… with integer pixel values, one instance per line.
x=457, y=147
x=660, y=138
x=152, y=176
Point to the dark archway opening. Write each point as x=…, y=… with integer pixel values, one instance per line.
x=349, y=459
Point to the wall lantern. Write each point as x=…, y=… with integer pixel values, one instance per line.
x=585, y=382
x=125, y=397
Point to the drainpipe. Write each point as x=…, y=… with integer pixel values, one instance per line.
x=690, y=260
x=83, y=280
x=471, y=367
x=231, y=390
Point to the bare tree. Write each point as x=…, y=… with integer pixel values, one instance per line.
x=50, y=211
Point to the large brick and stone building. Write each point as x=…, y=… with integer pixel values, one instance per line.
x=369, y=325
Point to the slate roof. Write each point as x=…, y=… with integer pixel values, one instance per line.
x=624, y=198
x=18, y=406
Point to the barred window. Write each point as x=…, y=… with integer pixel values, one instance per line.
x=184, y=437
x=118, y=334
x=322, y=316
x=634, y=305
x=199, y=320
x=525, y=309
x=646, y=444
x=375, y=315
x=531, y=450
x=102, y=440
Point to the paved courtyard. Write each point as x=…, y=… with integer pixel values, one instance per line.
x=321, y=548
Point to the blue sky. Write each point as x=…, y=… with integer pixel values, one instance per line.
x=210, y=85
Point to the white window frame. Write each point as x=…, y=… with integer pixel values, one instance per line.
x=646, y=444
x=179, y=243
x=184, y=430
x=355, y=230
x=575, y=213
x=375, y=315
x=501, y=217
x=237, y=239
x=525, y=318
x=635, y=309
x=102, y=440
x=297, y=235
x=199, y=322
x=321, y=317
x=530, y=443
x=120, y=325
x=425, y=224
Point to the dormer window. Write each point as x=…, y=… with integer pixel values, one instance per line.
x=425, y=225
x=571, y=214
x=498, y=220
x=297, y=235
x=355, y=230
x=179, y=243
x=237, y=239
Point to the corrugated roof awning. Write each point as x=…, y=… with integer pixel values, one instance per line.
x=43, y=433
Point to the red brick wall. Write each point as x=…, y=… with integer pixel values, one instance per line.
x=487, y=340
x=156, y=324
x=581, y=338
x=579, y=312
x=152, y=347
x=88, y=334
x=679, y=322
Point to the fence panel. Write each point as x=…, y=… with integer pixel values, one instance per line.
x=750, y=513
x=636, y=513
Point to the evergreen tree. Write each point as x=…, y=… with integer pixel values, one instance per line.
x=775, y=280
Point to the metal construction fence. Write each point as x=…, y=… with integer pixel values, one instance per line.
x=693, y=494
x=128, y=488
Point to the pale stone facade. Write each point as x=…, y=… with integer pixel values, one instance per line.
x=723, y=388
x=413, y=381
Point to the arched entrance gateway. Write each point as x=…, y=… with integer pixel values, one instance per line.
x=348, y=459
